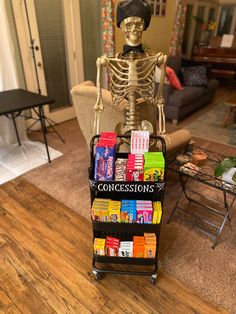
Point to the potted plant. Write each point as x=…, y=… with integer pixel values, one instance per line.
x=227, y=170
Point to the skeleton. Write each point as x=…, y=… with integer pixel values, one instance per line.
x=132, y=78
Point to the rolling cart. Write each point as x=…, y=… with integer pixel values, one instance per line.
x=118, y=190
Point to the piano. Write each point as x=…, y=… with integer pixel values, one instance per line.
x=221, y=61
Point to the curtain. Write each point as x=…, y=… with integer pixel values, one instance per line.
x=108, y=17
x=8, y=79
x=178, y=29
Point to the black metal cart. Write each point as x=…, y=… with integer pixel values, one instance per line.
x=117, y=190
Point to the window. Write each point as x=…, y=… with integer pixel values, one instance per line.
x=226, y=17
x=159, y=7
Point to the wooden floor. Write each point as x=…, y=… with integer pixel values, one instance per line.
x=45, y=264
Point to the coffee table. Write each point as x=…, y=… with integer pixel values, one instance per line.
x=205, y=176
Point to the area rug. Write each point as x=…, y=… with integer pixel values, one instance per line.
x=208, y=126
x=18, y=159
x=184, y=253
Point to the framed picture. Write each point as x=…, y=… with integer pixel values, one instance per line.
x=158, y=7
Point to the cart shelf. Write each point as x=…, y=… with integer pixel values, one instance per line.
x=125, y=227
x=124, y=260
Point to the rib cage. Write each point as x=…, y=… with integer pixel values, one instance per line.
x=128, y=75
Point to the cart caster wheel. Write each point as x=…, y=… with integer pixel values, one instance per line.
x=99, y=276
x=153, y=279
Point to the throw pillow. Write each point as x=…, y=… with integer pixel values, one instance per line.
x=174, y=81
x=157, y=76
x=194, y=76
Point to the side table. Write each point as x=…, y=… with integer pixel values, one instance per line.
x=205, y=176
x=231, y=103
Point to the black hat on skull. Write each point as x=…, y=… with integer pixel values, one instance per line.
x=129, y=8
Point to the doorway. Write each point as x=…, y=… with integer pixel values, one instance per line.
x=49, y=34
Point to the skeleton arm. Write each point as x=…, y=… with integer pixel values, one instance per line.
x=99, y=107
x=159, y=100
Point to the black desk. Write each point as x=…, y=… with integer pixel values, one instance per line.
x=12, y=102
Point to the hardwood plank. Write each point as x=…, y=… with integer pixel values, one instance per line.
x=69, y=242
x=82, y=289
x=6, y=305
x=50, y=247
x=111, y=307
x=126, y=301
x=24, y=294
x=50, y=289
x=137, y=295
x=93, y=299
x=46, y=207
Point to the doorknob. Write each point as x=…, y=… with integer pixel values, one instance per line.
x=39, y=64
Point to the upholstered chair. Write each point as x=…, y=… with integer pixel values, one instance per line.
x=84, y=97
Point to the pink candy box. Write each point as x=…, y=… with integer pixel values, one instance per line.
x=144, y=216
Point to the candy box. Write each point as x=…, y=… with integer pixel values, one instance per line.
x=95, y=214
x=154, y=174
x=114, y=215
x=149, y=251
x=138, y=239
x=108, y=135
x=138, y=250
x=144, y=216
x=104, y=162
x=99, y=246
x=135, y=174
x=128, y=214
x=157, y=212
x=104, y=215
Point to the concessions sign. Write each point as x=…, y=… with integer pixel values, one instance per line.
x=126, y=187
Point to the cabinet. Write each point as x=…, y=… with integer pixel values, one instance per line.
x=118, y=190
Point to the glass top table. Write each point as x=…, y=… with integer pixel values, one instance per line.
x=203, y=174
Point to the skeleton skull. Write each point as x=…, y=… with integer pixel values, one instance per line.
x=133, y=28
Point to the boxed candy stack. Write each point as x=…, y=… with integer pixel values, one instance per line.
x=128, y=211
x=100, y=209
x=150, y=245
x=99, y=246
x=144, y=212
x=112, y=246
x=105, y=157
x=145, y=247
x=154, y=167
x=121, y=168
x=139, y=142
x=126, y=249
x=135, y=167
x=114, y=211
x=157, y=213
x=138, y=246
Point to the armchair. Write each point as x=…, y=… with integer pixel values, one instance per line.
x=84, y=97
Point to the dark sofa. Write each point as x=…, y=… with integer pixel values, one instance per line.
x=180, y=103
